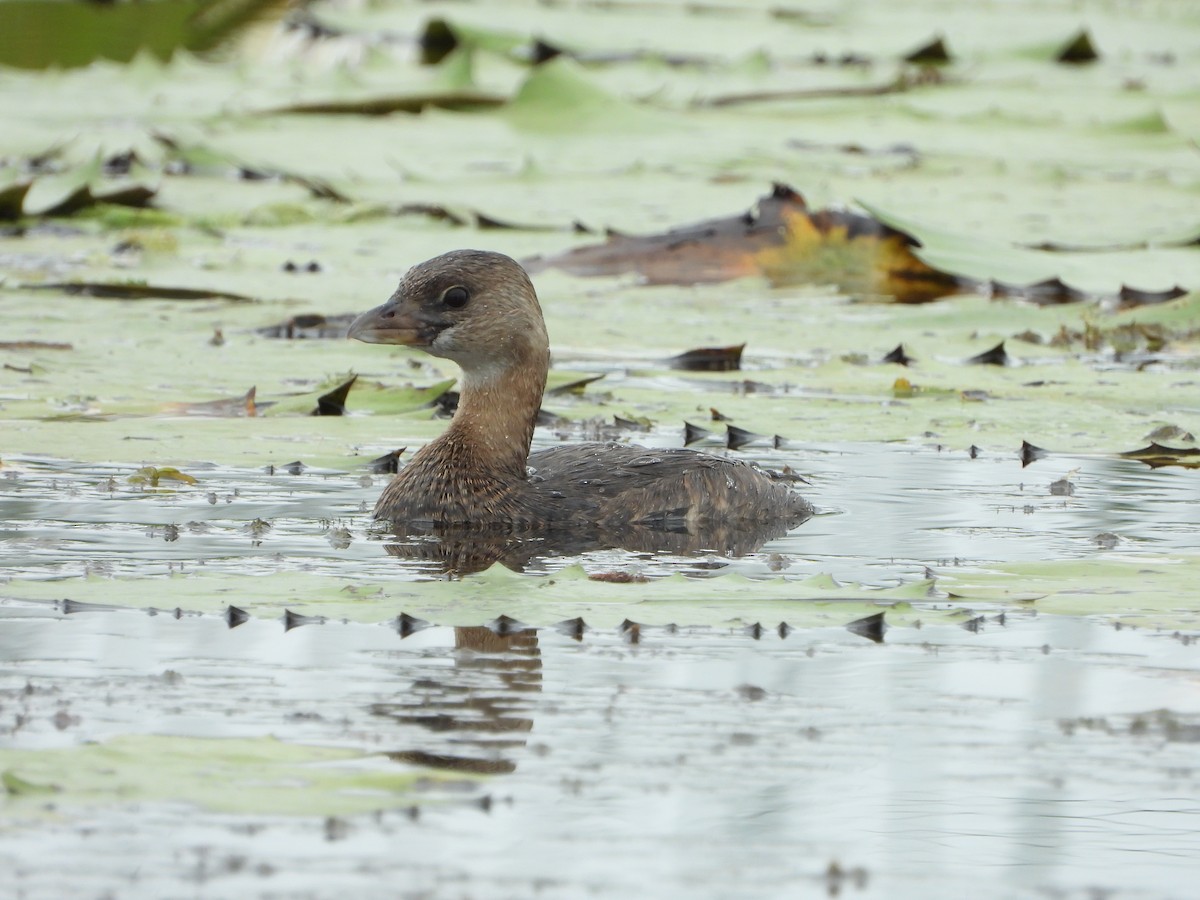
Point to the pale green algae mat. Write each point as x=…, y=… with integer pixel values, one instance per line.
x=207, y=685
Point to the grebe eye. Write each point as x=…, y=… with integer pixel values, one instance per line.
x=456, y=297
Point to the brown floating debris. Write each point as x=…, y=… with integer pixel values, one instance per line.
x=871, y=627
x=781, y=239
x=755, y=630
x=709, y=359
x=451, y=763
x=898, y=356
x=1157, y=455
x=997, y=356
x=235, y=616
x=1078, y=50
x=35, y=345
x=406, y=624
x=618, y=577
x=1131, y=297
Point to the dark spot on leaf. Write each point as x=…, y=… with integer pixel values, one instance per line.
x=542, y=51
x=437, y=41
x=1078, y=50
x=933, y=53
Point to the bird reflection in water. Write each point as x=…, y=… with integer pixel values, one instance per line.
x=462, y=551
x=479, y=711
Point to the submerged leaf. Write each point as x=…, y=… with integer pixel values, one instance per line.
x=243, y=405
x=152, y=475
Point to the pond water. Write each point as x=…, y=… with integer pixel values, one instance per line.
x=1037, y=756
x=1025, y=755
x=887, y=512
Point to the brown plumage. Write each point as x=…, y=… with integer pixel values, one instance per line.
x=480, y=310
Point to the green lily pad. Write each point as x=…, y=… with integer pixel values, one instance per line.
x=233, y=775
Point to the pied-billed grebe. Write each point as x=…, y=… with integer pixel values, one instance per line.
x=480, y=310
